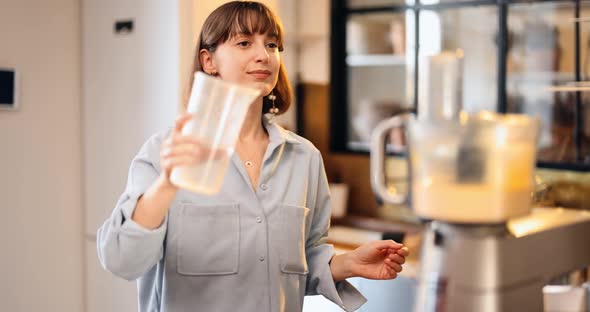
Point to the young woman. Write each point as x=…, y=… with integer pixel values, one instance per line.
x=258, y=245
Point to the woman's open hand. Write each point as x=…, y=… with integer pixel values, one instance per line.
x=379, y=259
x=374, y=260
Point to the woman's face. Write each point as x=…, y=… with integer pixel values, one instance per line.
x=252, y=60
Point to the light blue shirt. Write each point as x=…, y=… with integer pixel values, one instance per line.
x=240, y=250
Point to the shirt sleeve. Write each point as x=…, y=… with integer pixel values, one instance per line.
x=126, y=248
x=319, y=253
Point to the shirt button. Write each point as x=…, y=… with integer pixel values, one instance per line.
x=259, y=219
x=264, y=187
x=261, y=258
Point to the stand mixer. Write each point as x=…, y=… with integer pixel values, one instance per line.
x=500, y=267
x=484, y=247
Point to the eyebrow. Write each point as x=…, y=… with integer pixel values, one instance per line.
x=248, y=34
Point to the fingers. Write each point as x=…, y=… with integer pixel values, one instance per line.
x=178, y=144
x=189, y=151
x=404, y=252
x=177, y=162
x=393, y=265
x=388, y=272
x=387, y=244
x=179, y=139
x=185, y=150
x=180, y=150
x=397, y=258
x=180, y=121
x=394, y=261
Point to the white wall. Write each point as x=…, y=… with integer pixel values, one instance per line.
x=40, y=203
x=131, y=90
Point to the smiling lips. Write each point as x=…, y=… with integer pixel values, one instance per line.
x=260, y=74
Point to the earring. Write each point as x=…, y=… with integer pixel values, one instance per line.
x=273, y=110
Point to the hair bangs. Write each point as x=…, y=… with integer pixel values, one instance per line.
x=255, y=19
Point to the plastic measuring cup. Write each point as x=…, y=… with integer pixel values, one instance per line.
x=219, y=109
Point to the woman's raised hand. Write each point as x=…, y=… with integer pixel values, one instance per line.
x=179, y=149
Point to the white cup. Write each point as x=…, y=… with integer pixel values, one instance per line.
x=219, y=109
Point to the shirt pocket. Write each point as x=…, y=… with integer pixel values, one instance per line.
x=209, y=239
x=292, y=249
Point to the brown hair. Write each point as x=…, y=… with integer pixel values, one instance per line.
x=244, y=17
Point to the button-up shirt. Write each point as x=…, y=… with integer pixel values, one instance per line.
x=239, y=250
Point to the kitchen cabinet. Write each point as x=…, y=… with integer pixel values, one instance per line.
x=526, y=57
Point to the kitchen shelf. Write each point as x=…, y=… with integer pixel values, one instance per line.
x=542, y=76
x=569, y=88
x=377, y=224
x=375, y=60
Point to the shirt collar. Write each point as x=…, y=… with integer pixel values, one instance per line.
x=278, y=134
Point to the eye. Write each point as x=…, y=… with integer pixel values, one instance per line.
x=244, y=43
x=272, y=45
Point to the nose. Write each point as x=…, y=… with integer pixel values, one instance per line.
x=262, y=55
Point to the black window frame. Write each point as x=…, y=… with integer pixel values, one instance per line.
x=339, y=69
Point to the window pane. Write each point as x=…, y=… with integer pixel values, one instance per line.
x=472, y=31
x=541, y=74
x=376, y=61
